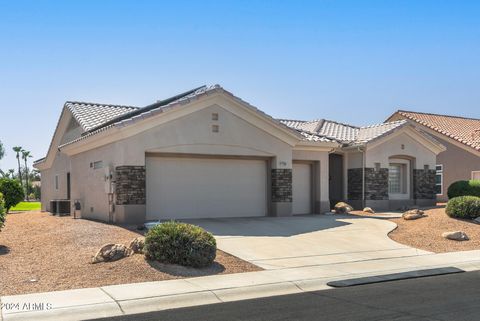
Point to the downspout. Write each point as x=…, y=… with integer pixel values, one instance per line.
x=360, y=149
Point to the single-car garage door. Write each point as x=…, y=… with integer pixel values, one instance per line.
x=205, y=187
x=302, y=188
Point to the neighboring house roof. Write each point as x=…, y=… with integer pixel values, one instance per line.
x=347, y=134
x=462, y=129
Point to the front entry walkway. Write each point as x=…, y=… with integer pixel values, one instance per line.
x=310, y=240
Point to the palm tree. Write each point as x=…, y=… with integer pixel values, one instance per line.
x=25, y=156
x=18, y=150
x=11, y=173
x=2, y=150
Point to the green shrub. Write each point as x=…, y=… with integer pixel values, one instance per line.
x=464, y=207
x=464, y=188
x=180, y=243
x=2, y=212
x=12, y=192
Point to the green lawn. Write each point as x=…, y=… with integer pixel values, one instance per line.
x=26, y=206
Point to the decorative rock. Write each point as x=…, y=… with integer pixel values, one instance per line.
x=477, y=220
x=369, y=210
x=342, y=208
x=111, y=252
x=415, y=211
x=456, y=236
x=137, y=244
x=413, y=214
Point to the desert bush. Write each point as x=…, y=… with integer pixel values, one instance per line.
x=180, y=243
x=12, y=192
x=464, y=207
x=2, y=212
x=464, y=188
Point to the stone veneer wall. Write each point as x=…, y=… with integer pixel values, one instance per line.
x=130, y=185
x=281, y=185
x=424, y=184
x=376, y=184
x=354, y=188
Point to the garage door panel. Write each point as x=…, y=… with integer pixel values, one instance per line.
x=200, y=187
x=302, y=188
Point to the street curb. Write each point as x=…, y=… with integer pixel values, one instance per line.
x=394, y=277
x=95, y=303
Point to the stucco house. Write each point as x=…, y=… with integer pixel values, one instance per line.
x=460, y=136
x=207, y=153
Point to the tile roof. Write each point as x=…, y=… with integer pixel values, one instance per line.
x=462, y=129
x=120, y=116
x=91, y=115
x=347, y=134
x=369, y=133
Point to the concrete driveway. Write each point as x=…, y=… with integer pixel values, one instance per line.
x=311, y=240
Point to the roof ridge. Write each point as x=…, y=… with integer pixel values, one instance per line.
x=383, y=124
x=297, y=120
x=147, y=108
x=98, y=104
x=434, y=114
x=339, y=123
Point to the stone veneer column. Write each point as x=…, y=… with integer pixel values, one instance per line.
x=376, y=184
x=281, y=185
x=281, y=180
x=130, y=185
x=424, y=184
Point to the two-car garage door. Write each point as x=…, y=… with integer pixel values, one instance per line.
x=205, y=187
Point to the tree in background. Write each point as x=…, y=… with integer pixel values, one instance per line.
x=18, y=150
x=25, y=156
x=2, y=150
x=2, y=212
x=12, y=192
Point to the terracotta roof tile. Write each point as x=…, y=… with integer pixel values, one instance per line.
x=462, y=129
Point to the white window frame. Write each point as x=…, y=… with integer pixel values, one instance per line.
x=473, y=172
x=405, y=191
x=439, y=172
x=55, y=182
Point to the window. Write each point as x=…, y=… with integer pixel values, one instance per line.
x=397, y=178
x=97, y=164
x=215, y=128
x=214, y=116
x=56, y=182
x=439, y=179
x=476, y=175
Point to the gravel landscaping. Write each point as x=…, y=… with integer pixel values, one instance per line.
x=426, y=233
x=40, y=253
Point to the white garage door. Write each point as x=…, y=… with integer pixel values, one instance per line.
x=302, y=188
x=202, y=187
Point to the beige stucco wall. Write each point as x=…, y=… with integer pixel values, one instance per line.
x=458, y=164
x=392, y=147
x=60, y=167
x=191, y=134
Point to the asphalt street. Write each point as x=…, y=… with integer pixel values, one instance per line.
x=447, y=297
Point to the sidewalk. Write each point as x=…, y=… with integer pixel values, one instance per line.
x=153, y=296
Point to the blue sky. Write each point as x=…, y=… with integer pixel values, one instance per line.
x=351, y=61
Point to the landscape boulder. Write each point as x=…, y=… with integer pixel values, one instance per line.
x=456, y=236
x=342, y=208
x=477, y=220
x=111, y=252
x=136, y=245
x=369, y=210
x=413, y=214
